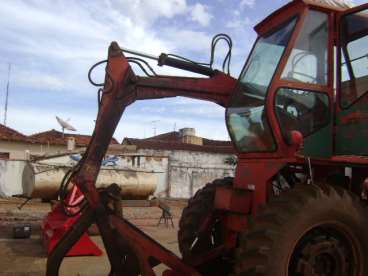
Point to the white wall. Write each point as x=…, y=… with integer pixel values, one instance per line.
x=190, y=171
x=185, y=171
x=17, y=149
x=180, y=173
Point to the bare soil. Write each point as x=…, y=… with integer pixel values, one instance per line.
x=28, y=256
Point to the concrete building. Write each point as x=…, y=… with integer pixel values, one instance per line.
x=181, y=161
x=52, y=153
x=13, y=144
x=186, y=162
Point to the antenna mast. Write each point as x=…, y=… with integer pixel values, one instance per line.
x=154, y=126
x=7, y=95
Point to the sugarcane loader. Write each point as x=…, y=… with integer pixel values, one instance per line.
x=297, y=117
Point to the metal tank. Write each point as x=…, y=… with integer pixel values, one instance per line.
x=43, y=181
x=10, y=182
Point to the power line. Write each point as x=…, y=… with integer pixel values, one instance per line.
x=7, y=95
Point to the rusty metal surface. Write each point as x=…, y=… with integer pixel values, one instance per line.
x=121, y=89
x=254, y=173
x=145, y=247
x=216, y=89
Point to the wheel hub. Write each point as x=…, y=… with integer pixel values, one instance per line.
x=322, y=252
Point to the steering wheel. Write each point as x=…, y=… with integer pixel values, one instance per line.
x=287, y=119
x=291, y=78
x=313, y=79
x=296, y=59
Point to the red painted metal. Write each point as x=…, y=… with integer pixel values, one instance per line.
x=122, y=88
x=216, y=89
x=229, y=199
x=145, y=247
x=254, y=171
x=56, y=223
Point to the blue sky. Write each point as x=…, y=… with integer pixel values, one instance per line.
x=52, y=44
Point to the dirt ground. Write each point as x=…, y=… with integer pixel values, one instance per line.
x=28, y=256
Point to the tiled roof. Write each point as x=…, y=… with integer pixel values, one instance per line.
x=172, y=141
x=55, y=137
x=9, y=134
x=168, y=136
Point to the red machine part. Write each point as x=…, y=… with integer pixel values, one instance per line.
x=56, y=223
x=122, y=88
x=252, y=179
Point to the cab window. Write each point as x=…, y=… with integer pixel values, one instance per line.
x=308, y=60
x=302, y=110
x=354, y=57
x=246, y=113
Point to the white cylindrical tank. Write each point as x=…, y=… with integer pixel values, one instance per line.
x=43, y=181
x=10, y=182
x=187, y=131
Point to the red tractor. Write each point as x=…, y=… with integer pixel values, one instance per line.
x=297, y=117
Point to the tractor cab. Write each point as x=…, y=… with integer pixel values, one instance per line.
x=304, y=73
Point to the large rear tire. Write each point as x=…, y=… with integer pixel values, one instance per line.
x=199, y=207
x=306, y=231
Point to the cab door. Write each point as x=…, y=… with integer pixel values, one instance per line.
x=351, y=132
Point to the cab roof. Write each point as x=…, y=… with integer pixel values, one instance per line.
x=332, y=5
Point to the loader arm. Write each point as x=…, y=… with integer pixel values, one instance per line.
x=122, y=87
x=216, y=89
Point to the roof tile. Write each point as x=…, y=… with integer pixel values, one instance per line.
x=55, y=137
x=172, y=141
x=9, y=134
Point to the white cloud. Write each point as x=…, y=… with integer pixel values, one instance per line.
x=53, y=44
x=187, y=107
x=140, y=126
x=29, y=120
x=145, y=12
x=237, y=23
x=200, y=14
x=38, y=80
x=73, y=39
x=247, y=3
x=66, y=42
x=189, y=40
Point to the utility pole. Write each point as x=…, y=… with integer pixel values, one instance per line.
x=7, y=95
x=154, y=126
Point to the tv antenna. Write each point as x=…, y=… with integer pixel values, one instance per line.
x=154, y=126
x=65, y=125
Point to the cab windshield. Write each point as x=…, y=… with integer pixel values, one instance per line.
x=246, y=116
